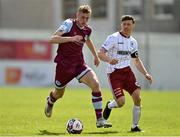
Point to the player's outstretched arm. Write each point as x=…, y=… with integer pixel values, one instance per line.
x=57, y=38
x=139, y=65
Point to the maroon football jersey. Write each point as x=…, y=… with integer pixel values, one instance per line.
x=71, y=52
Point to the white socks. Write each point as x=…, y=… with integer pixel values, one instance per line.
x=136, y=115
x=136, y=112
x=112, y=104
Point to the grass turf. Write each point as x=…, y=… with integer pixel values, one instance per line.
x=22, y=113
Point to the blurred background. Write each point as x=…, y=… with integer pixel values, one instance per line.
x=26, y=57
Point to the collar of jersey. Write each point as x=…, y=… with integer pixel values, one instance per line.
x=123, y=35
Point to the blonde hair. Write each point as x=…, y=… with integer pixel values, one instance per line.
x=85, y=9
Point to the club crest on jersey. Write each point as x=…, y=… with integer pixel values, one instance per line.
x=132, y=43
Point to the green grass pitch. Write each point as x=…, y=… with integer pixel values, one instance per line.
x=22, y=113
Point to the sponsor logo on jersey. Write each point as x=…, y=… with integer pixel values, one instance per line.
x=121, y=42
x=121, y=52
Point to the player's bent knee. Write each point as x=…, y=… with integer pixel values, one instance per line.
x=137, y=101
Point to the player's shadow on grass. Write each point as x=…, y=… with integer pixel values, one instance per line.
x=102, y=132
x=45, y=132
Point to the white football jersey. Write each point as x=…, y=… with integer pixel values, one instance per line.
x=121, y=48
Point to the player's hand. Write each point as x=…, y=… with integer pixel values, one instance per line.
x=96, y=61
x=113, y=61
x=77, y=38
x=149, y=78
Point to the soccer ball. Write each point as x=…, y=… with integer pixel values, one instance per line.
x=74, y=126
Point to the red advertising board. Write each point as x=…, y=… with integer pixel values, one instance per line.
x=7, y=50
x=25, y=50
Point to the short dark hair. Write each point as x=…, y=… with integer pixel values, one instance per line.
x=128, y=17
x=84, y=9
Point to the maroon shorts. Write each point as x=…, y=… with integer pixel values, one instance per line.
x=66, y=72
x=122, y=79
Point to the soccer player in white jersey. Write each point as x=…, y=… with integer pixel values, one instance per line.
x=117, y=51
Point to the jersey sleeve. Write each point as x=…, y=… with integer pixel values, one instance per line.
x=134, y=49
x=66, y=26
x=108, y=44
x=89, y=34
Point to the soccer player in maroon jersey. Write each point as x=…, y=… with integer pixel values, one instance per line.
x=70, y=37
x=117, y=51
